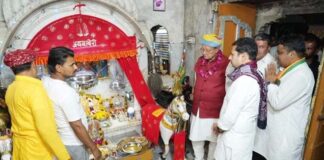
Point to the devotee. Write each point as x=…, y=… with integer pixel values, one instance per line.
x=263, y=59
x=289, y=96
x=69, y=114
x=263, y=56
x=208, y=94
x=32, y=115
x=244, y=106
x=312, y=48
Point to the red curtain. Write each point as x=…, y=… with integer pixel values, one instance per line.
x=135, y=78
x=151, y=123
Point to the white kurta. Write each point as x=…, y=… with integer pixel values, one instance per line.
x=263, y=63
x=261, y=133
x=201, y=128
x=288, y=114
x=238, y=118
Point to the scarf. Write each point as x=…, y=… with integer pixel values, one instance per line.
x=250, y=69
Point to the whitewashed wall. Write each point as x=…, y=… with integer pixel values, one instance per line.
x=199, y=20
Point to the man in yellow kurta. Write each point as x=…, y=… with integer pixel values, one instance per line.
x=32, y=115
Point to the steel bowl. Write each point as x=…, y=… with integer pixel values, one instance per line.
x=83, y=79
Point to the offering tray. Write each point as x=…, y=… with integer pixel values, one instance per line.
x=132, y=147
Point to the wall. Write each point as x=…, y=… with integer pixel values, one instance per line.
x=172, y=19
x=267, y=13
x=271, y=11
x=3, y=29
x=199, y=20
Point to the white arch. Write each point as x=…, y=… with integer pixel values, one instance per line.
x=35, y=15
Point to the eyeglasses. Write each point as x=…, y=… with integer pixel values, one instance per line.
x=202, y=50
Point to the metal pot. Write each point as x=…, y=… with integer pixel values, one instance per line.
x=83, y=79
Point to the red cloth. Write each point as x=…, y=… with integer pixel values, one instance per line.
x=90, y=38
x=135, y=78
x=151, y=123
x=151, y=130
x=209, y=92
x=19, y=57
x=179, y=145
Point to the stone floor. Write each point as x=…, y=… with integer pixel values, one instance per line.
x=158, y=150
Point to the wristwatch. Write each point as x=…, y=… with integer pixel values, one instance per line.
x=219, y=130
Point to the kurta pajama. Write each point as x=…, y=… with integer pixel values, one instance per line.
x=288, y=114
x=238, y=119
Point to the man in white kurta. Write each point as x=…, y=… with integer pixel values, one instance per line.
x=264, y=58
x=238, y=118
x=289, y=95
x=262, y=65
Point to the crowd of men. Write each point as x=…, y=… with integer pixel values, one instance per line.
x=252, y=105
x=264, y=111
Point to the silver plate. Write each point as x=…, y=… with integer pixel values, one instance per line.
x=132, y=148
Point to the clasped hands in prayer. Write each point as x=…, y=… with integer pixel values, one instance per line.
x=270, y=73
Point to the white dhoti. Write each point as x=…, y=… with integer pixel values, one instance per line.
x=201, y=131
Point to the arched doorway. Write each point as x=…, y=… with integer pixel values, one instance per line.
x=161, y=47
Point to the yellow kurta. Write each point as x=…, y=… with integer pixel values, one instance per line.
x=33, y=125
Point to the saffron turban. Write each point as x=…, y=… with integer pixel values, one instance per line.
x=19, y=57
x=211, y=40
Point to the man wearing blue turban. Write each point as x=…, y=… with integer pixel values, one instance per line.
x=208, y=95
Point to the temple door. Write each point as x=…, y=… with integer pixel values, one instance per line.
x=315, y=140
x=235, y=21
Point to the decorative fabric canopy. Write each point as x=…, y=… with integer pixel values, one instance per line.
x=94, y=39
x=91, y=39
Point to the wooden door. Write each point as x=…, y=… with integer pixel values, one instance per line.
x=315, y=140
x=234, y=21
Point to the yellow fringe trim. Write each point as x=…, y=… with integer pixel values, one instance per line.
x=41, y=60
